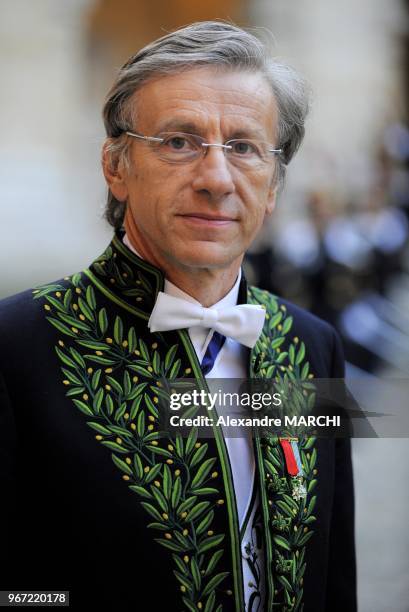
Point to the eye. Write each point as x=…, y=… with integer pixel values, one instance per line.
x=178, y=142
x=243, y=147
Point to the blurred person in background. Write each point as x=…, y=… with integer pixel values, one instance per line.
x=200, y=126
x=347, y=261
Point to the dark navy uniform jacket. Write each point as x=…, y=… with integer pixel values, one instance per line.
x=96, y=501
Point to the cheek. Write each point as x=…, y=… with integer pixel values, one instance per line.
x=161, y=182
x=153, y=198
x=256, y=197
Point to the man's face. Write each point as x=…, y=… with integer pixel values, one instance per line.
x=204, y=213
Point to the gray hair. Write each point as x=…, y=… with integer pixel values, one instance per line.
x=205, y=43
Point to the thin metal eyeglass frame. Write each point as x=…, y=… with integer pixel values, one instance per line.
x=154, y=139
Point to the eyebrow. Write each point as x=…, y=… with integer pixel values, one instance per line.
x=188, y=127
x=177, y=125
x=248, y=134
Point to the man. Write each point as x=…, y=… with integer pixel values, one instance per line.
x=200, y=126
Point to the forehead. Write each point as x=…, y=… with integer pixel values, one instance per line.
x=209, y=101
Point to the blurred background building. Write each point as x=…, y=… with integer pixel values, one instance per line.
x=338, y=243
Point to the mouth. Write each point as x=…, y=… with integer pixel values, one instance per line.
x=209, y=220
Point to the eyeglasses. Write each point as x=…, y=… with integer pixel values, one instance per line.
x=180, y=148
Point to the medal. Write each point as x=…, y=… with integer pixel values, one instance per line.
x=294, y=466
x=292, y=456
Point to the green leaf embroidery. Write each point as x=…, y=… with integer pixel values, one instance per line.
x=124, y=467
x=118, y=330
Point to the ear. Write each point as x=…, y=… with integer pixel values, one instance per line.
x=271, y=198
x=115, y=174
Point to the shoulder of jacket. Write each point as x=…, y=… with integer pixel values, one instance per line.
x=28, y=306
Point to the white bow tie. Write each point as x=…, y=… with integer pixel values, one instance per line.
x=242, y=323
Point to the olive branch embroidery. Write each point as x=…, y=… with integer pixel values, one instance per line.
x=170, y=478
x=118, y=273
x=290, y=503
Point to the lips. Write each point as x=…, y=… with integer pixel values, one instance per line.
x=206, y=223
x=208, y=218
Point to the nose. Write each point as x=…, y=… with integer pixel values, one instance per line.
x=212, y=175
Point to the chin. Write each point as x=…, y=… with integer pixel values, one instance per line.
x=207, y=256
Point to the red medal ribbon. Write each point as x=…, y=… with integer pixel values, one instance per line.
x=291, y=463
